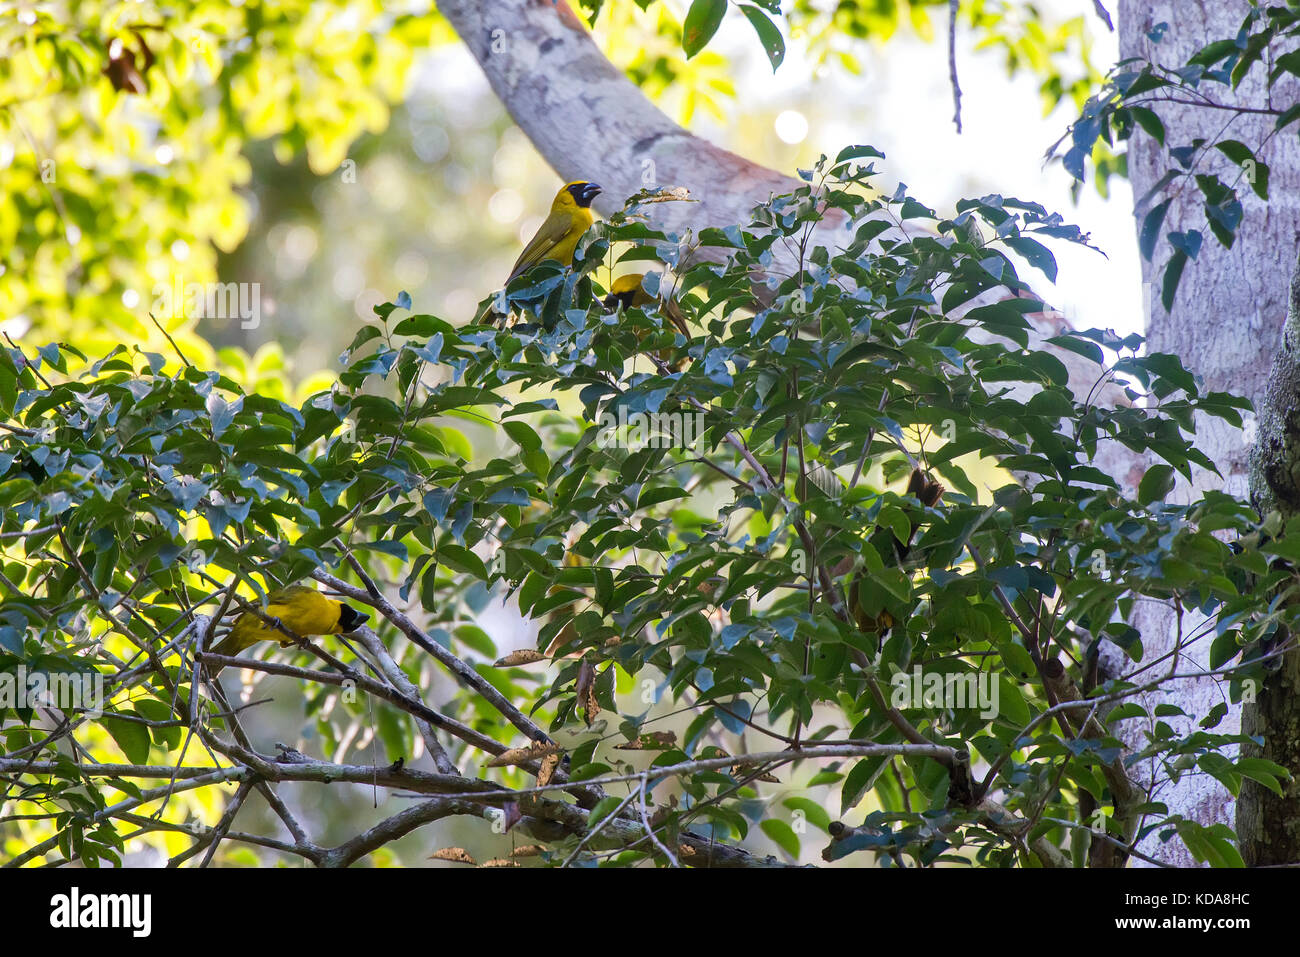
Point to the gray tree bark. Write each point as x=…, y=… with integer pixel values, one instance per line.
x=1225, y=323
x=1268, y=824
x=590, y=122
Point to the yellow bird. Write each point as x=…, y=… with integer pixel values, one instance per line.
x=558, y=236
x=628, y=291
x=301, y=609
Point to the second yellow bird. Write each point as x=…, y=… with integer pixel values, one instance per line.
x=301, y=609
x=557, y=239
x=629, y=290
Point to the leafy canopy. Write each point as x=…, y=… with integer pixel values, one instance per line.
x=694, y=601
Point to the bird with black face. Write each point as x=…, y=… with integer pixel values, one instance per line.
x=558, y=236
x=627, y=292
x=299, y=608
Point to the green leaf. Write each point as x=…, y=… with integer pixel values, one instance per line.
x=462, y=559
x=654, y=496
x=1208, y=845
x=815, y=813
x=1035, y=253
x=784, y=836
x=768, y=34
x=603, y=809
x=1217, y=713
x=1255, y=172
x=523, y=435
x=1173, y=276
x=1235, y=150
x=1017, y=659
x=1150, y=233
x=1287, y=118
x=1214, y=52
x=131, y=736
x=1150, y=122
x=1265, y=772
x=860, y=781
x=850, y=153
x=478, y=639
x=1157, y=482
x=702, y=21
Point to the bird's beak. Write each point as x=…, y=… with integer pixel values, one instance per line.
x=351, y=619
x=590, y=192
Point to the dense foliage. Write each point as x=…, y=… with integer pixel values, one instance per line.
x=739, y=590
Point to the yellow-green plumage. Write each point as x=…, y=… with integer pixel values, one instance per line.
x=629, y=291
x=557, y=239
x=301, y=609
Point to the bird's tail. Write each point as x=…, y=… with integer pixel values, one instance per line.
x=674, y=313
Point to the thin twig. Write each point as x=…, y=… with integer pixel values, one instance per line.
x=952, y=62
x=646, y=821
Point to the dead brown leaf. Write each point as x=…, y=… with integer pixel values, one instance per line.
x=515, y=756
x=585, y=688
x=547, y=771
x=668, y=194
x=524, y=656
x=747, y=771
x=654, y=741
x=457, y=855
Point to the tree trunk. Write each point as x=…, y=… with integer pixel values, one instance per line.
x=590, y=122
x=1268, y=824
x=1224, y=324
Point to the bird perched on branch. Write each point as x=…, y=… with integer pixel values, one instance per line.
x=629, y=291
x=299, y=608
x=557, y=238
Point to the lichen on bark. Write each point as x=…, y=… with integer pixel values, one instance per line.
x=1268, y=824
